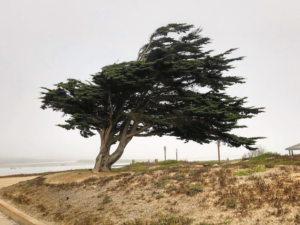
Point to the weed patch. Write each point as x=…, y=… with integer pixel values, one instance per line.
x=194, y=189
x=159, y=196
x=106, y=199
x=231, y=202
x=250, y=171
x=163, y=220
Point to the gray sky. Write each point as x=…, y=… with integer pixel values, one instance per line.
x=44, y=42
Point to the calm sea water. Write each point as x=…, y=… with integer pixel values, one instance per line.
x=41, y=169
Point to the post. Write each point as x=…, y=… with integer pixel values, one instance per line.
x=165, y=153
x=218, y=142
x=176, y=154
x=292, y=152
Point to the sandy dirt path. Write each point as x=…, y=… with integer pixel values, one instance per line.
x=4, y=182
x=5, y=221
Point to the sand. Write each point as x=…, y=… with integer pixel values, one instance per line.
x=5, y=221
x=4, y=182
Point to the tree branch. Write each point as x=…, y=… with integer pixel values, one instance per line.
x=116, y=138
x=139, y=131
x=141, y=56
x=150, y=134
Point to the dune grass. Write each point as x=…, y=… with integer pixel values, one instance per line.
x=269, y=160
x=136, y=167
x=250, y=171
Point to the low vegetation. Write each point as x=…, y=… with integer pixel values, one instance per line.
x=250, y=171
x=263, y=189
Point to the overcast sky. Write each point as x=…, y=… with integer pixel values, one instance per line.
x=44, y=42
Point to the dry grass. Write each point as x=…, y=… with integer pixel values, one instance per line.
x=196, y=196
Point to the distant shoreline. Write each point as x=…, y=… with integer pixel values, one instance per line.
x=38, y=168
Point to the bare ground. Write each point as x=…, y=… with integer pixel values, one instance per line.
x=208, y=195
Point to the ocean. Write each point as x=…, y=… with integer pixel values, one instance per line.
x=41, y=168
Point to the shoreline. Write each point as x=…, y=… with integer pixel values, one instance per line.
x=38, y=170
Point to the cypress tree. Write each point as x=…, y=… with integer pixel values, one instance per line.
x=160, y=93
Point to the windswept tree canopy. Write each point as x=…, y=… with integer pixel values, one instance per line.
x=158, y=94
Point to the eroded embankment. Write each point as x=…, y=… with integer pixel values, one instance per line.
x=196, y=195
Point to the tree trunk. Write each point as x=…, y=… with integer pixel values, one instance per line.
x=104, y=160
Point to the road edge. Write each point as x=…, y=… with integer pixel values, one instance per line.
x=17, y=215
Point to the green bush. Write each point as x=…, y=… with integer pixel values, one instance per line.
x=194, y=189
x=106, y=199
x=269, y=165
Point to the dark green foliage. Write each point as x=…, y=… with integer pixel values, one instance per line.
x=158, y=94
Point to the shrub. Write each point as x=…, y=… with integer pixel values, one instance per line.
x=160, y=184
x=58, y=216
x=106, y=199
x=269, y=165
x=179, y=177
x=41, y=207
x=231, y=202
x=171, y=188
x=194, y=189
x=21, y=199
x=159, y=196
x=163, y=220
x=261, y=150
x=165, y=178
